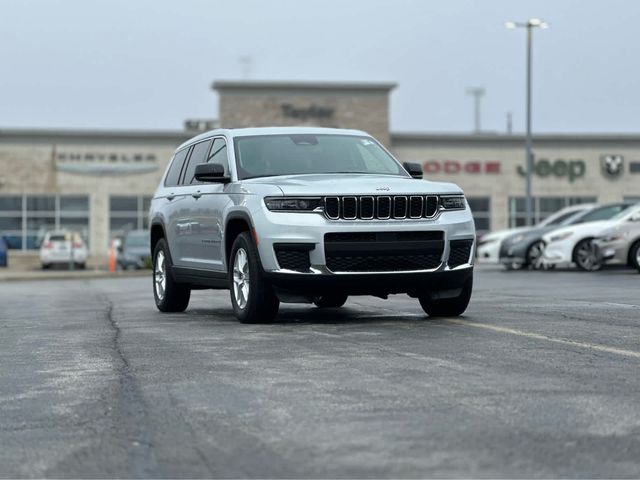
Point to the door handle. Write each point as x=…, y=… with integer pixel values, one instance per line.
x=196, y=194
x=171, y=196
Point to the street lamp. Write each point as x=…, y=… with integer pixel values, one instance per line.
x=529, y=25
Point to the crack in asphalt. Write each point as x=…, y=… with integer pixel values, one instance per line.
x=130, y=415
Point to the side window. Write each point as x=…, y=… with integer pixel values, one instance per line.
x=176, y=167
x=218, y=154
x=198, y=155
x=604, y=213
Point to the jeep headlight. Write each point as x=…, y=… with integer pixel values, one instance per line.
x=452, y=202
x=291, y=204
x=561, y=236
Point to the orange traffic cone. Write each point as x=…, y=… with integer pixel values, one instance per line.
x=112, y=259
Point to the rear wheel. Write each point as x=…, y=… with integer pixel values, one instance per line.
x=635, y=255
x=252, y=297
x=448, y=307
x=169, y=295
x=585, y=256
x=330, y=301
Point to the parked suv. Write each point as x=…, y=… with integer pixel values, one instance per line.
x=306, y=215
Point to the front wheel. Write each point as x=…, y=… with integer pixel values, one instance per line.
x=635, y=256
x=330, y=301
x=169, y=295
x=585, y=256
x=534, y=255
x=252, y=297
x=448, y=307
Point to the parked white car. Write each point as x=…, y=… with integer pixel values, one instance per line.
x=620, y=244
x=489, y=244
x=63, y=248
x=574, y=244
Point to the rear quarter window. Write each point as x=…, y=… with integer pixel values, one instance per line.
x=173, y=174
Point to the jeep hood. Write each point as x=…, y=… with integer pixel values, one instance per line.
x=354, y=184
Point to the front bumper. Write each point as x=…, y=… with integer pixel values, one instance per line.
x=615, y=252
x=414, y=283
x=489, y=252
x=309, y=229
x=558, y=253
x=513, y=253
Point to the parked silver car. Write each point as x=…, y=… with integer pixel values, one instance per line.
x=620, y=244
x=306, y=215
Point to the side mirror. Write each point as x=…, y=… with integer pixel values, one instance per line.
x=414, y=169
x=635, y=218
x=210, y=172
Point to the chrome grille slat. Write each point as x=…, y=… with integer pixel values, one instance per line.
x=415, y=205
x=431, y=204
x=381, y=207
x=383, y=210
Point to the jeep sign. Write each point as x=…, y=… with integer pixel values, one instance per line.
x=571, y=169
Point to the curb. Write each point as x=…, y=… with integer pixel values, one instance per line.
x=66, y=275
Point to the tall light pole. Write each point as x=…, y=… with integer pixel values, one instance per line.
x=476, y=93
x=529, y=25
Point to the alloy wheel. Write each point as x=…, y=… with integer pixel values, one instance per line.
x=160, y=275
x=241, y=278
x=586, y=256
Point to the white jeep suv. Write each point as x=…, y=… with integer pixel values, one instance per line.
x=306, y=215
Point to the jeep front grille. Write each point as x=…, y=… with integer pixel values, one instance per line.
x=383, y=251
x=381, y=207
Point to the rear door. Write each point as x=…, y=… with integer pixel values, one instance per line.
x=173, y=202
x=191, y=217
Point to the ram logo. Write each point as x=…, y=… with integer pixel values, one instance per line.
x=612, y=165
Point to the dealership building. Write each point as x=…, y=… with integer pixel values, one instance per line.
x=100, y=182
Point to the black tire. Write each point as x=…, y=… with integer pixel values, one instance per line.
x=585, y=256
x=448, y=307
x=634, y=255
x=534, y=255
x=330, y=301
x=174, y=297
x=258, y=303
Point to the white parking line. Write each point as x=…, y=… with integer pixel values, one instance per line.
x=537, y=336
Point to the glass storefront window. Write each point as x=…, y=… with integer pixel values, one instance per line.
x=41, y=203
x=481, y=209
x=74, y=203
x=128, y=213
x=542, y=208
x=11, y=203
x=24, y=219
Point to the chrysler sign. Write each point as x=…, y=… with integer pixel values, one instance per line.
x=98, y=163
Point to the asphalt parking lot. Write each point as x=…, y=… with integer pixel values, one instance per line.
x=540, y=378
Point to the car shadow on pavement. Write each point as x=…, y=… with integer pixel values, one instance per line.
x=303, y=314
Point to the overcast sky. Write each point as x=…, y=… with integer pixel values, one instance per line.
x=149, y=64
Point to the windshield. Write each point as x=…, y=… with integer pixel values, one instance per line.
x=560, y=218
x=268, y=155
x=608, y=212
x=137, y=240
x=627, y=212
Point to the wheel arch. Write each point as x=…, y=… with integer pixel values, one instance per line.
x=632, y=244
x=157, y=232
x=575, y=247
x=236, y=223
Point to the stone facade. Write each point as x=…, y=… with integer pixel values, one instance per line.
x=340, y=105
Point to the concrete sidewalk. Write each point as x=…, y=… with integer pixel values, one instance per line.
x=11, y=275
